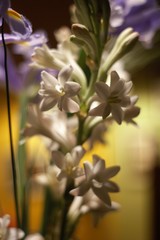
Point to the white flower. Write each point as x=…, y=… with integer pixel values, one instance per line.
x=112, y=98
x=97, y=178
x=54, y=126
x=59, y=91
x=7, y=233
x=68, y=164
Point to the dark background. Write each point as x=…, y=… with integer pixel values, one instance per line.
x=45, y=14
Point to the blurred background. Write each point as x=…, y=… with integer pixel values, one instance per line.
x=135, y=149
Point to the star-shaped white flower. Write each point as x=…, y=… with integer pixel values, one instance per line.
x=112, y=98
x=59, y=91
x=97, y=178
x=69, y=164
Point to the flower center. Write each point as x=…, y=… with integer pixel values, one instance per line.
x=96, y=183
x=60, y=90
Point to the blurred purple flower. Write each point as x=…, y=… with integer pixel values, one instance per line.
x=18, y=24
x=14, y=78
x=142, y=15
x=21, y=75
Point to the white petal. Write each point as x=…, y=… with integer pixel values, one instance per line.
x=111, y=171
x=111, y=187
x=114, y=79
x=117, y=113
x=47, y=103
x=102, y=90
x=99, y=167
x=71, y=88
x=77, y=153
x=58, y=159
x=102, y=194
x=118, y=88
x=48, y=78
x=88, y=170
x=69, y=105
x=65, y=74
x=102, y=109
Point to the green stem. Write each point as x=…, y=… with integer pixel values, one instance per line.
x=67, y=202
x=91, y=85
x=21, y=147
x=25, y=202
x=80, y=131
x=73, y=225
x=47, y=211
x=10, y=129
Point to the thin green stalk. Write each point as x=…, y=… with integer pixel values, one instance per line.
x=47, y=212
x=25, y=205
x=91, y=85
x=72, y=226
x=10, y=128
x=67, y=202
x=80, y=131
x=22, y=149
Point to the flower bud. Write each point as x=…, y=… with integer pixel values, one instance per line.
x=124, y=43
x=82, y=33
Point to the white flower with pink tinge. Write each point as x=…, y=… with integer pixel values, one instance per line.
x=59, y=91
x=97, y=178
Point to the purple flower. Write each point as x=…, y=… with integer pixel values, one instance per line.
x=13, y=75
x=22, y=75
x=142, y=15
x=18, y=24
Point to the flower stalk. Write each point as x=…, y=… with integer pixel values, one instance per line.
x=13, y=163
